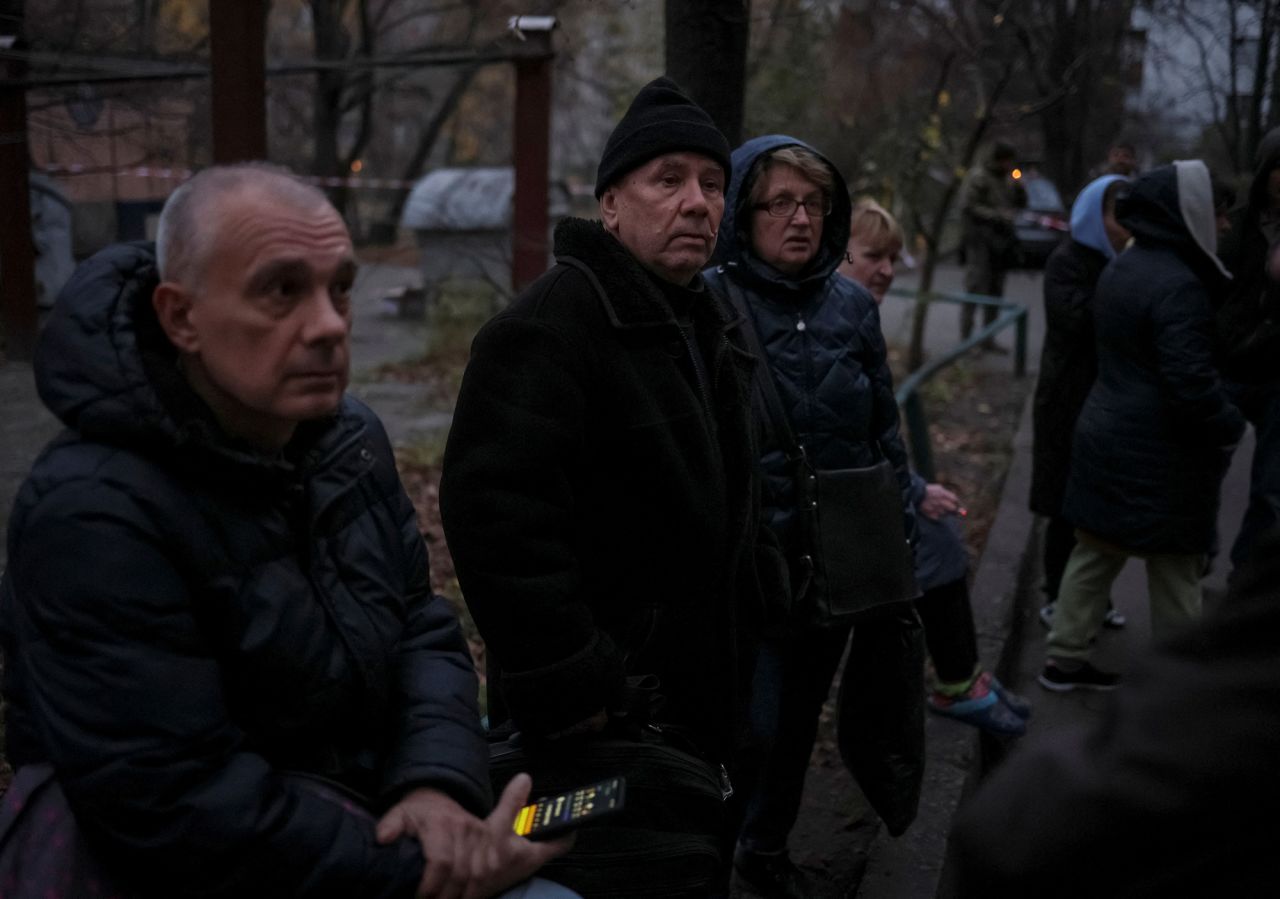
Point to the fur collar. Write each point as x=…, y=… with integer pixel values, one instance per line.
x=632, y=297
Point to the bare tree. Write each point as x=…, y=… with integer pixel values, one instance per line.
x=1081, y=70
x=1222, y=54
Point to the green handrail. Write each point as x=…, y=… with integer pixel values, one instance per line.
x=908, y=392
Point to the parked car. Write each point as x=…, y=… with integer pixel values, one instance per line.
x=1042, y=223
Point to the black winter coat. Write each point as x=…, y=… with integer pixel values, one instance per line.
x=1156, y=433
x=183, y=619
x=597, y=495
x=1068, y=366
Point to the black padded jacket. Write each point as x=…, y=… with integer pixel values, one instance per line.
x=185, y=620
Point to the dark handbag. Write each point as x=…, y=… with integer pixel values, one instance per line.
x=853, y=521
x=855, y=555
x=666, y=840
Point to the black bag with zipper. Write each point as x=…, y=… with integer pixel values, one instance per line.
x=666, y=840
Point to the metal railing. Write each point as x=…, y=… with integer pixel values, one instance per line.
x=908, y=392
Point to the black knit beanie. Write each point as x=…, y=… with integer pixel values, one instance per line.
x=661, y=119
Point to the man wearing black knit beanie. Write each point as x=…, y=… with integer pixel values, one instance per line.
x=598, y=492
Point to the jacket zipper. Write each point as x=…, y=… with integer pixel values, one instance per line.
x=803, y=327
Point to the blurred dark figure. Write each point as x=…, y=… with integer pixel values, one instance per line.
x=1122, y=160
x=1173, y=793
x=1157, y=430
x=1069, y=364
x=1249, y=338
x=988, y=202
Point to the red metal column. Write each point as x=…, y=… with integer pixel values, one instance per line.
x=237, y=50
x=19, y=317
x=532, y=152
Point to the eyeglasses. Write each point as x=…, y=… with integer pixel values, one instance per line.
x=785, y=207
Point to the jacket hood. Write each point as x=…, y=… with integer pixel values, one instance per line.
x=1173, y=205
x=734, y=245
x=102, y=344
x=1087, y=216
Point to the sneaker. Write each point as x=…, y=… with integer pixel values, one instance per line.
x=771, y=875
x=1017, y=704
x=981, y=707
x=1046, y=615
x=1114, y=619
x=1082, y=676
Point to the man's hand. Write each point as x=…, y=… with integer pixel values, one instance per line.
x=468, y=858
x=508, y=859
x=939, y=501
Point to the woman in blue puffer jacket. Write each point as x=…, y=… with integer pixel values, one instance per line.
x=783, y=235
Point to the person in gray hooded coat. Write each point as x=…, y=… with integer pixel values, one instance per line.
x=1156, y=433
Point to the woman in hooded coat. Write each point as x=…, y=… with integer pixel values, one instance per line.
x=1155, y=436
x=784, y=233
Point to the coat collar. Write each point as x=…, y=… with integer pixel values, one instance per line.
x=631, y=297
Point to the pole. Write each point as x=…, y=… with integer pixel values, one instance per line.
x=532, y=143
x=238, y=58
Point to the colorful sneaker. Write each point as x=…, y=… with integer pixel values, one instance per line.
x=1081, y=676
x=1017, y=704
x=979, y=706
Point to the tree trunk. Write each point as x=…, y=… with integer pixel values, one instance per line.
x=706, y=51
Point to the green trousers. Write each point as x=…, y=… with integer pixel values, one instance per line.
x=1173, y=582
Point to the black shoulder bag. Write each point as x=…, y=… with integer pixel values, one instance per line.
x=855, y=556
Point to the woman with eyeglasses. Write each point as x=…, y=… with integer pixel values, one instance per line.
x=783, y=235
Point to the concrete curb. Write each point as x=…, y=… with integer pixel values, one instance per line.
x=916, y=864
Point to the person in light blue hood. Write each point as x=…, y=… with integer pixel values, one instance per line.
x=1157, y=430
x=785, y=230
x=1068, y=365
